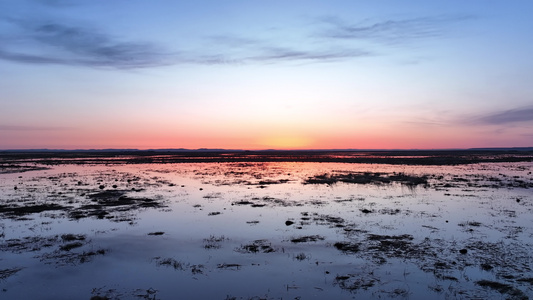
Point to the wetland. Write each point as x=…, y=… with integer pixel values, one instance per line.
x=266, y=225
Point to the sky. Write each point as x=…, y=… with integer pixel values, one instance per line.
x=336, y=74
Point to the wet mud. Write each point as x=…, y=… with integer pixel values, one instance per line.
x=267, y=229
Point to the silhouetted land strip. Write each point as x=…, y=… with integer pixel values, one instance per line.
x=13, y=159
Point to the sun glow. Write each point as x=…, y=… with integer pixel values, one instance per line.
x=285, y=142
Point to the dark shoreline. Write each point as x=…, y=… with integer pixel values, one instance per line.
x=394, y=157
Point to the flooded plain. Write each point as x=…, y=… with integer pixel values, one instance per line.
x=266, y=230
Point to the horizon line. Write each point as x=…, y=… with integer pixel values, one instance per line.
x=255, y=150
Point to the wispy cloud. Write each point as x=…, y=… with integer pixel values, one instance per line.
x=241, y=50
x=269, y=55
x=273, y=54
x=517, y=115
x=425, y=123
x=33, y=59
x=82, y=46
x=392, y=30
x=75, y=45
x=56, y=42
x=329, y=45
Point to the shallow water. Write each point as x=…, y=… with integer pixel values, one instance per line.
x=257, y=231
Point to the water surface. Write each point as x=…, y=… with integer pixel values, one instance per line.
x=266, y=231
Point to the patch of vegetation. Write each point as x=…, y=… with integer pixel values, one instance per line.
x=527, y=280
x=14, y=168
x=329, y=220
x=273, y=201
x=229, y=266
x=301, y=256
x=353, y=282
x=242, y=202
x=341, y=200
x=5, y=273
x=170, y=262
x=156, y=233
x=307, y=238
x=212, y=196
x=178, y=265
x=389, y=211
x=63, y=258
x=115, y=294
x=394, y=246
x=27, y=244
x=73, y=237
x=471, y=223
x=17, y=211
x=347, y=247
x=108, y=203
x=503, y=288
x=214, y=242
x=258, y=246
x=368, y=178
x=70, y=246
x=270, y=181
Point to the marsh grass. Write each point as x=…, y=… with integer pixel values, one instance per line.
x=5, y=273
x=214, y=242
x=368, y=178
x=503, y=288
x=170, y=262
x=307, y=238
x=257, y=246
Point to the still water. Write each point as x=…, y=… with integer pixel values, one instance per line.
x=266, y=231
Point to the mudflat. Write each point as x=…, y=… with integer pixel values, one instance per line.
x=266, y=224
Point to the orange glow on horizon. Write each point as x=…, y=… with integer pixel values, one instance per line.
x=285, y=142
x=232, y=137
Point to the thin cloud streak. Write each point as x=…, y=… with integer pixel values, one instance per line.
x=32, y=59
x=79, y=46
x=83, y=46
x=511, y=116
x=86, y=47
x=257, y=51
x=390, y=31
x=287, y=54
x=99, y=48
x=427, y=123
x=279, y=55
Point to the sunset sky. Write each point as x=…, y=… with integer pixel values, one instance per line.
x=265, y=74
